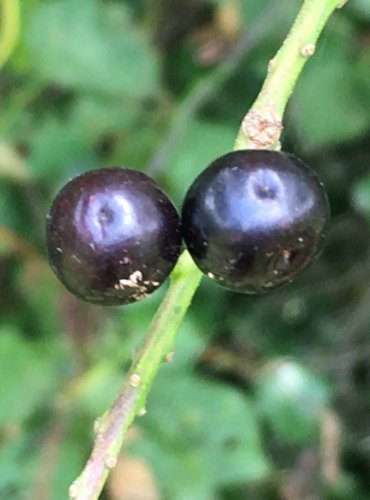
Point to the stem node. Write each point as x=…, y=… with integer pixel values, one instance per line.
x=262, y=126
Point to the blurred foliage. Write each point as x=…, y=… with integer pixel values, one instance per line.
x=242, y=412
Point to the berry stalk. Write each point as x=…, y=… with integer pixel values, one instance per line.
x=130, y=402
x=265, y=114
x=262, y=126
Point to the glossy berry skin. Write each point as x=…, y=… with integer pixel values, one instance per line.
x=112, y=236
x=253, y=219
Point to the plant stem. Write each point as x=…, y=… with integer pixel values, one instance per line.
x=130, y=402
x=113, y=425
x=207, y=87
x=10, y=27
x=262, y=125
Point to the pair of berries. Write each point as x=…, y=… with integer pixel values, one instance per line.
x=251, y=221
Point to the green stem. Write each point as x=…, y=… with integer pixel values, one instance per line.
x=113, y=425
x=207, y=87
x=10, y=27
x=262, y=125
x=130, y=402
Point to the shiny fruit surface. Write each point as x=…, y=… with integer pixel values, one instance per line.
x=112, y=236
x=253, y=219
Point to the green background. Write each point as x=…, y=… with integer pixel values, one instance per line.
x=268, y=397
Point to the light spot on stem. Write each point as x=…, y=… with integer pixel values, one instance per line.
x=134, y=380
x=74, y=490
x=271, y=65
x=169, y=357
x=111, y=462
x=308, y=50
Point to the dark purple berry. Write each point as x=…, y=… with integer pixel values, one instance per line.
x=253, y=219
x=113, y=236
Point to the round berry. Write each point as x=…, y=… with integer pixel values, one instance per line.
x=253, y=219
x=112, y=235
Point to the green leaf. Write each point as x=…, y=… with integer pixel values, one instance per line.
x=70, y=457
x=361, y=7
x=45, y=460
x=189, y=345
x=40, y=290
x=10, y=216
x=361, y=196
x=90, y=46
x=61, y=148
x=96, y=389
x=15, y=464
x=59, y=151
x=28, y=377
x=202, y=143
x=291, y=399
x=327, y=107
x=199, y=436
